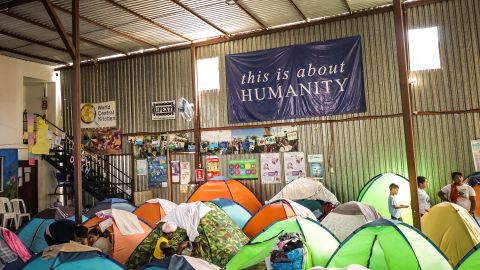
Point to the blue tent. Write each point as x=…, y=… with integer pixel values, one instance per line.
x=235, y=211
x=91, y=260
x=32, y=234
x=109, y=204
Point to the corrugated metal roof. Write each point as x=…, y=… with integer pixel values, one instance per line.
x=45, y=52
x=133, y=25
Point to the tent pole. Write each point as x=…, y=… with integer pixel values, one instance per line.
x=77, y=152
x=406, y=108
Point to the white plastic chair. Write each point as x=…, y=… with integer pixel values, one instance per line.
x=18, y=205
x=6, y=212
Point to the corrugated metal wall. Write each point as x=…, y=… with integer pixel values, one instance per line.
x=359, y=149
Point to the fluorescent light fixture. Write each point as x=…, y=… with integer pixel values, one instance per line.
x=423, y=50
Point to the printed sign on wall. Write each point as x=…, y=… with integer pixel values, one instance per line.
x=213, y=169
x=271, y=168
x=308, y=80
x=98, y=115
x=185, y=173
x=294, y=163
x=163, y=110
x=243, y=169
x=157, y=171
x=316, y=166
x=476, y=154
x=175, y=171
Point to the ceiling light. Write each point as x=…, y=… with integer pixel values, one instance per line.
x=230, y=2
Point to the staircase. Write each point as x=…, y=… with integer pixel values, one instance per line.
x=101, y=179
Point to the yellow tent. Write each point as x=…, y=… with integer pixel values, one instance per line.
x=452, y=229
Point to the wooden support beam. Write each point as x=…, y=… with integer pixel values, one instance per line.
x=400, y=34
x=77, y=140
x=196, y=104
x=347, y=6
x=41, y=43
x=12, y=4
x=86, y=40
x=58, y=25
x=253, y=17
x=120, y=33
x=298, y=10
x=199, y=16
x=33, y=56
x=148, y=20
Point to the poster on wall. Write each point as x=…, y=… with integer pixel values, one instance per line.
x=102, y=141
x=476, y=154
x=316, y=166
x=298, y=81
x=175, y=171
x=294, y=166
x=157, y=171
x=163, y=110
x=142, y=167
x=98, y=115
x=199, y=175
x=42, y=146
x=183, y=189
x=243, y=169
x=185, y=173
x=9, y=171
x=271, y=169
x=213, y=169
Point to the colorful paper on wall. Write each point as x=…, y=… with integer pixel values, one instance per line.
x=294, y=166
x=476, y=154
x=41, y=146
x=213, y=169
x=243, y=169
x=271, y=168
x=157, y=171
x=175, y=171
x=316, y=166
x=102, y=141
x=9, y=169
x=183, y=189
x=142, y=167
x=185, y=173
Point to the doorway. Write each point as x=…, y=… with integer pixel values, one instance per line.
x=28, y=186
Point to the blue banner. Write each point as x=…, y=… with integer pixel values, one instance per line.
x=316, y=79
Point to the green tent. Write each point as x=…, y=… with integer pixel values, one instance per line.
x=320, y=243
x=471, y=260
x=218, y=241
x=389, y=245
x=376, y=192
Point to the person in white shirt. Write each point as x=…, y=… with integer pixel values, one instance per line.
x=459, y=193
x=423, y=198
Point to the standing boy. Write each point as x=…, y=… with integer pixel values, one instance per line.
x=459, y=193
x=393, y=205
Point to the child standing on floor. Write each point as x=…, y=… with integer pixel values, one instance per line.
x=393, y=205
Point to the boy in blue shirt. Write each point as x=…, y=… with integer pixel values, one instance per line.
x=393, y=205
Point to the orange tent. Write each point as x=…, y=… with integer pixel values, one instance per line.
x=123, y=245
x=221, y=187
x=267, y=215
x=152, y=211
x=477, y=198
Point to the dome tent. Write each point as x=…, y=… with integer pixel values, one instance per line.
x=348, y=217
x=474, y=181
x=223, y=187
x=218, y=241
x=235, y=211
x=389, y=245
x=471, y=260
x=91, y=260
x=32, y=234
x=272, y=212
x=320, y=242
x=376, y=191
x=152, y=211
x=109, y=204
x=452, y=229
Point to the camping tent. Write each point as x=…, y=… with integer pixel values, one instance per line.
x=471, y=260
x=306, y=188
x=348, y=217
x=235, y=211
x=32, y=234
x=272, y=212
x=320, y=242
x=375, y=193
x=123, y=245
x=115, y=203
x=452, y=229
x=91, y=260
x=392, y=245
x=222, y=187
x=177, y=262
x=152, y=211
x=474, y=181
x=13, y=254
x=218, y=241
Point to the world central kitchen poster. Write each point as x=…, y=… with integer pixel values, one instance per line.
x=316, y=79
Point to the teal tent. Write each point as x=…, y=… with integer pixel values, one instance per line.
x=91, y=260
x=389, y=245
x=235, y=211
x=376, y=191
